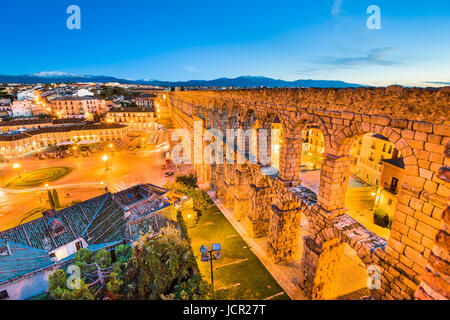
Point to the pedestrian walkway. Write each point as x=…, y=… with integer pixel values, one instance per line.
x=285, y=274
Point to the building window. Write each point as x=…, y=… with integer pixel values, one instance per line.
x=79, y=245
x=394, y=184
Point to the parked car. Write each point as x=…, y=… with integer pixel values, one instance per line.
x=169, y=174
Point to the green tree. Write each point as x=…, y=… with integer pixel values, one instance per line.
x=50, y=199
x=124, y=253
x=159, y=264
x=114, y=286
x=201, y=199
x=103, y=259
x=57, y=286
x=188, y=185
x=195, y=288
x=90, y=264
x=190, y=217
x=56, y=199
x=84, y=259
x=190, y=180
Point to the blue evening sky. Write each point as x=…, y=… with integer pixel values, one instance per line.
x=182, y=40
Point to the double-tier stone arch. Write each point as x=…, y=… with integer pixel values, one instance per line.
x=413, y=218
x=342, y=115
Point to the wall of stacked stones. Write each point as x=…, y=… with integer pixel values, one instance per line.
x=414, y=120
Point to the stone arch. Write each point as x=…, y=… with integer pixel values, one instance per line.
x=248, y=115
x=223, y=120
x=215, y=118
x=414, y=220
x=345, y=138
x=309, y=119
x=233, y=117
x=323, y=254
x=292, y=143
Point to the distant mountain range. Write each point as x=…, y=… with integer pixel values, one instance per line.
x=239, y=82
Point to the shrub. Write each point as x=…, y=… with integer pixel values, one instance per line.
x=159, y=264
x=190, y=181
x=382, y=218
x=190, y=217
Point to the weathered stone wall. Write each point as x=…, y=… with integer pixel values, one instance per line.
x=435, y=283
x=414, y=120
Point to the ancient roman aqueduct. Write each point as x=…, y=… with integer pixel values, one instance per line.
x=414, y=261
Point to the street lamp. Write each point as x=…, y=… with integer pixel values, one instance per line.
x=16, y=166
x=105, y=158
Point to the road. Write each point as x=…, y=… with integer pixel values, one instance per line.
x=88, y=179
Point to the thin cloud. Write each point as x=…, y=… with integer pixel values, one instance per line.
x=373, y=57
x=336, y=8
x=446, y=83
x=190, y=68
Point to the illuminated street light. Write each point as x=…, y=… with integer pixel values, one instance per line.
x=111, y=146
x=105, y=158
x=16, y=166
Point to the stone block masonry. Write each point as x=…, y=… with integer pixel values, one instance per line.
x=413, y=262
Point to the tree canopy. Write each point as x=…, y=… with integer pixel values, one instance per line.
x=161, y=267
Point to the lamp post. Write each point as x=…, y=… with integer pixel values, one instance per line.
x=209, y=256
x=105, y=158
x=111, y=146
x=16, y=166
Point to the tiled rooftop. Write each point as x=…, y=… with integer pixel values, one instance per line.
x=22, y=260
x=38, y=233
x=98, y=220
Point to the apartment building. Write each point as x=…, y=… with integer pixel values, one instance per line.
x=145, y=101
x=77, y=107
x=392, y=178
x=368, y=153
x=31, y=141
x=135, y=118
x=313, y=148
x=22, y=108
